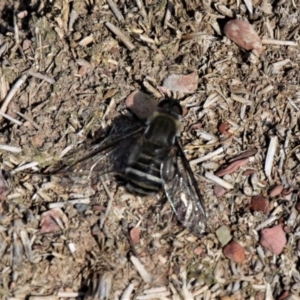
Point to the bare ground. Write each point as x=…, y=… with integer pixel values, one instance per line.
x=87, y=75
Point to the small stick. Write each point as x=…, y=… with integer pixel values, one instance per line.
x=12, y=92
x=249, y=6
x=120, y=35
x=270, y=156
x=141, y=269
x=29, y=120
x=41, y=76
x=127, y=292
x=168, y=14
x=115, y=10
x=73, y=18
x=279, y=42
x=69, y=294
x=10, y=148
x=24, y=167
x=241, y=100
x=218, y=180
x=62, y=204
x=207, y=156
x=111, y=199
x=10, y=118
x=3, y=48
x=141, y=7
x=16, y=30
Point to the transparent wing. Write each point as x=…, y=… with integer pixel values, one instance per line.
x=183, y=193
x=110, y=156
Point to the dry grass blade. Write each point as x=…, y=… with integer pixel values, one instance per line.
x=207, y=156
x=279, y=42
x=10, y=148
x=68, y=231
x=141, y=269
x=12, y=92
x=10, y=118
x=218, y=181
x=41, y=76
x=115, y=10
x=120, y=35
x=270, y=156
x=127, y=292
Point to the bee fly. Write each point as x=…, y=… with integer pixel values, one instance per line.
x=153, y=160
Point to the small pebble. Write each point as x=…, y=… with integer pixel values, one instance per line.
x=26, y=44
x=182, y=83
x=248, y=191
x=141, y=104
x=259, y=203
x=135, y=235
x=223, y=128
x=219, y=191
x=22, y=14
x=223, y=235
x=235, y=252
x=52, y=219
x=244, y=35
x=274, y=239
x=199, y=251
x=276, y=190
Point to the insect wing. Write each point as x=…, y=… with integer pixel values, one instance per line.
x=110, y=156
x=183, y=193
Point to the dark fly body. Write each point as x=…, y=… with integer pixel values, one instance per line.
x=152, y=160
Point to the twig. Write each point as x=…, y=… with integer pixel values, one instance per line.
x=73, y=18
x=24, y=167
x=10, y=118
x=207, y=156
x=141, y=269
x=10, y=148
x=249, y=6
x=127, y=292
x=12, y=92
x=16, y=30
x=115, y=10
x=168, y=14
x=62, y=204
x=270, y=156
x=29, y=120
x=219, y=181
x=279, y=42
x=141, y=7
x=120, y=35
x=3, y=48
x=111, y=199
x=41, y=76
x=241, y=100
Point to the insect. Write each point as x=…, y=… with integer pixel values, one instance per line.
x=151, y=159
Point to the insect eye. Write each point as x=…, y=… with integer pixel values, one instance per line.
x=171, y=106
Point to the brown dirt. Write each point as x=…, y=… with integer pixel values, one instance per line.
x=91, y=83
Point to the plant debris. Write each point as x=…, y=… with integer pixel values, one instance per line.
x=71, y=75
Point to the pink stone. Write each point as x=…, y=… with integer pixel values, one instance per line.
x=274, y=239
x=141, y=104
x=244, y=35
x=182, y=83
x=235, y=252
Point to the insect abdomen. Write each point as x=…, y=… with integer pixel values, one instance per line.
x=143, y=173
